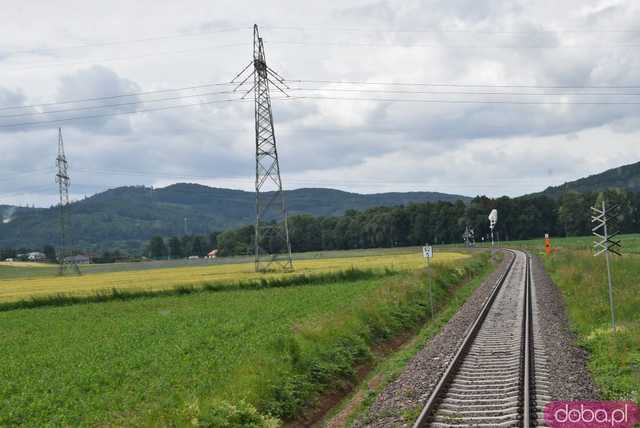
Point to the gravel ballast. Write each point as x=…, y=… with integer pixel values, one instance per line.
x=401, y=401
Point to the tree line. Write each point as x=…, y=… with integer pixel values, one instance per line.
x=443, y=223
x=177, y=247
x=414, y=224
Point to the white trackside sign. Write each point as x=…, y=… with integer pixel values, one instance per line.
x=427, y=251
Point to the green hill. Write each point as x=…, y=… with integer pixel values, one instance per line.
x=126, y=217
x=624, y=177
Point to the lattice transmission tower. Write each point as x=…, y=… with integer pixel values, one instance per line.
x=62, y=178
x=272, y=246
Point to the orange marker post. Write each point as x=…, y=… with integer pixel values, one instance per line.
x=547, y=244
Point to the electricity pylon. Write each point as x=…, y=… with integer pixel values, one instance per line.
x=62, y=178
x=272, y=247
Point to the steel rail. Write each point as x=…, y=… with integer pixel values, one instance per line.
x=466, y=342
x=527, y=350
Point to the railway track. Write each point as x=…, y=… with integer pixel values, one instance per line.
x=498, y=376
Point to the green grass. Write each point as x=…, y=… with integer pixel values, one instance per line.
x=614, y=358
x=630, y=243
x=209, y=357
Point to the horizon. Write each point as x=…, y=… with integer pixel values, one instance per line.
x=74, y=197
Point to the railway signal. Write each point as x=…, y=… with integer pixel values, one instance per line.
x=606, y=244
x=493, y=219
x=427, y=253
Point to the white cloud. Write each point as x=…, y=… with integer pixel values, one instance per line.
x=362, y=146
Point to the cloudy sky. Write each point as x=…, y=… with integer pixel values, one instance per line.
x=459, y=96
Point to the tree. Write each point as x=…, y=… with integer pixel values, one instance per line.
x=199, y=247
x=574, y=213
x=175, y=248
x=7, y=253
x=50, y=253
x=236, y=241
x=305, y=233
x=157, y=248
x=213, y=240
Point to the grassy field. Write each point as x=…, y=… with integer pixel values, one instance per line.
x=209, y=359
x=615, y=358
x=29, y=282
x=630, y=243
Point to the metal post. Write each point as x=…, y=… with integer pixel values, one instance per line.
x=606, y=256
x=426, y=253
x=606, y=245
x=430, y=288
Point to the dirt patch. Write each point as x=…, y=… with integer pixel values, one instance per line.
x=341, y=418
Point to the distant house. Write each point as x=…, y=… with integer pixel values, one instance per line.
x=212, y=254
x=36, y=256
x=79, y=259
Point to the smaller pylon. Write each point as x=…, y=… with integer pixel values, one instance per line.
x=469, y=237
x=62, y=178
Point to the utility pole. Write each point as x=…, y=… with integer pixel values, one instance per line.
x=606, y=245
x=272, y=248
x=186, y=228
x=62, y=178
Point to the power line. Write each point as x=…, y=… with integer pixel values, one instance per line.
x=391, y=91
x=122, y=42
x=117, y=105
x=293, y=98
x=117, y=59
x=110, y=97
x=207, y=85
x=67, y=119
x=351, y=82
x=446, y=45
x=465, y=85
x=452, y=31
x=301, y=89
x=311, y=28
x=440, y=101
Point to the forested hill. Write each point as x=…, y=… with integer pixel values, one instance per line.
x=626, y=177
x=132, y=215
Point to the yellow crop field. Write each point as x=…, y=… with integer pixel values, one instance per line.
x=14, y=289
x=25, y=265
